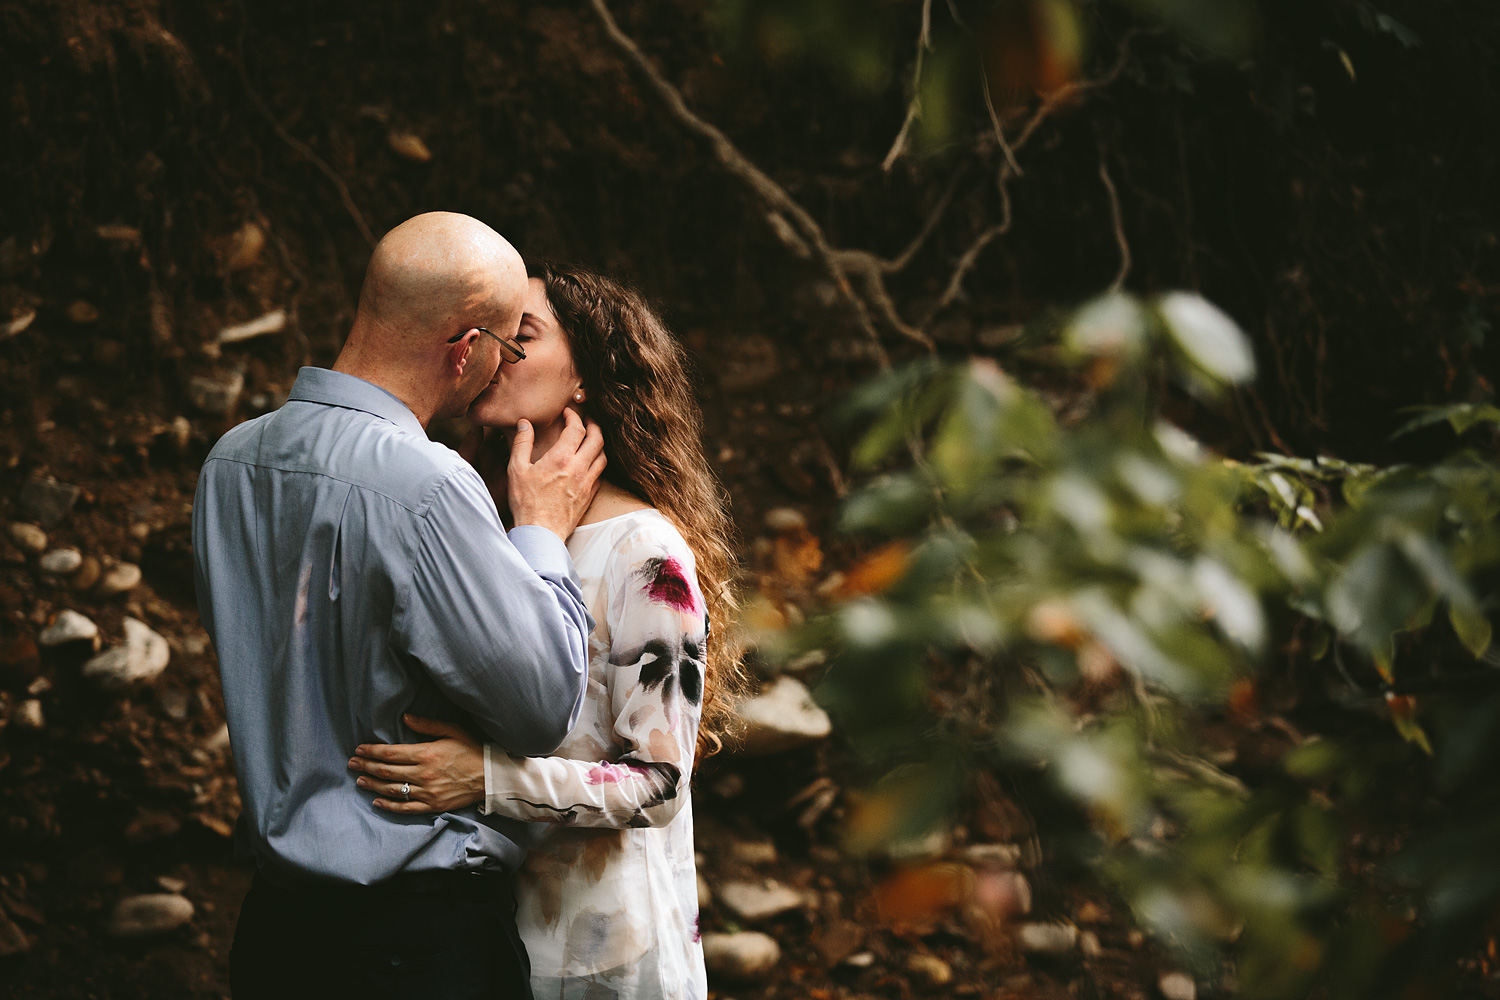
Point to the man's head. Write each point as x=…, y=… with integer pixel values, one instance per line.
x=433, y=278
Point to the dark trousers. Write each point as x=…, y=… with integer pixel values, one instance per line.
x=415, y=938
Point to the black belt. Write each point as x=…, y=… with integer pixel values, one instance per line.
x=474, y=884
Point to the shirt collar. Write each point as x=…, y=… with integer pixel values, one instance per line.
x=322, y=385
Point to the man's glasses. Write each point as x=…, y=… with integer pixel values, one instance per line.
x=510, y=351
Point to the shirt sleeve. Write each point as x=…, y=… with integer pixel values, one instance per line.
x=498, y=623
x=655, y=687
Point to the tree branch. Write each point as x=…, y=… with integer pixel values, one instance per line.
x=1117, y=217
x=914, y=109
x=775, y=197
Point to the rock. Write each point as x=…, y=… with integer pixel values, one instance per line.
x=86, y=576
x=39, y=686
x=863, y=960
x=785, y=519
x=28, y=538
x=744, y=955
x=13, y=940
x=141, y=657
x=174, y=702
x=154, y=913
x=272, y=322
x=217, y=394
x=150, y=825
x=1046, y=939
x=992, y=855
x=782, y=717
x=1002, y=892
x=29, y=715
x=120, y=578
x=1177, y=986
x=48, y=501
x=171, y=884
x=19, y=659
x=21, y=317
x=61, y=562
x=757, y=901
x=705, y=894
x=70, y=626
x=1089, y=945
x=929, y=970
x=753, y=852
x=408, y=145
x=218, y=742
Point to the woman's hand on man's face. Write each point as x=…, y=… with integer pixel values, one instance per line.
x=443, y=775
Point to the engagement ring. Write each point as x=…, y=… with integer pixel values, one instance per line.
x=406, y=790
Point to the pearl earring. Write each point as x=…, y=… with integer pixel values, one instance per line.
x=578, y=396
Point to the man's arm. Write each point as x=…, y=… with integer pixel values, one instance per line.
x=499, y=625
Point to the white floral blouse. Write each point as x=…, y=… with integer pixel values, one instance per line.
x=608, y=900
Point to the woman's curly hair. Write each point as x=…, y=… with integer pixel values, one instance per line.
x=635, y=375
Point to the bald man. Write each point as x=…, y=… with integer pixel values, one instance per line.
x=349, y=571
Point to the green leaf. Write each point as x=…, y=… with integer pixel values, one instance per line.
x=1472, y=626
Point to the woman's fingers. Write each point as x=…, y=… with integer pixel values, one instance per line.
x=387, y=772
x=408, y=808
x=391, y=753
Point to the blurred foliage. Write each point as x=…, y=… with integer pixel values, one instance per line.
x=1102, y=592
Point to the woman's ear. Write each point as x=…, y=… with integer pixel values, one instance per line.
x=579, y=395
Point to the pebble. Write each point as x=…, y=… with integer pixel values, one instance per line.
x=217, y=394
x=757, y=901
x=28, y=537
x=784, y=520
x=39, y=686
x=171, y=884
x=29, y=715
x=743, y=955
x=61, y=562
x=782, y=717
x=48, y=501
x=992, y=855
x=929, y=970
x=1089, y=944
x=1047, y=939
x=153, y=913
x=141, y=657
x=1177, y=986
x=272, y=322
x=69, y=626
x=218, y=743
x=754, y=852
x=1002, y=892
x=121, y=578
x=87, y=575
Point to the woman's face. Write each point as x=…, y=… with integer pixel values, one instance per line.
x=538, y=388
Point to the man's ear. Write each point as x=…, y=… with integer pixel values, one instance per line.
x=460, y=350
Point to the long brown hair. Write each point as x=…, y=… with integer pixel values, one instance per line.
x=635, y=375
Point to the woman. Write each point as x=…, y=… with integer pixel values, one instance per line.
x=608, y=901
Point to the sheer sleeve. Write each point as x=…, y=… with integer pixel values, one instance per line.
x=657, y=633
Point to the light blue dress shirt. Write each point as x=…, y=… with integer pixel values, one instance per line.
x=350, y=570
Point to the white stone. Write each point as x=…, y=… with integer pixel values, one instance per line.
x=992, y=855
x=757, y=901
x=171, y=884
x=154, y=913
x=785, y=519
x=69, y=626
x=1047, y=939
x=860, y=960
x=28, y=537
x=29, y=714
x=120, y=578
x=61, y=562
x=141, y=657
x=272, y=322
x=1177, y=986
x=753, y=852
x=745, y=955
x=782, y=717
x=931, y=970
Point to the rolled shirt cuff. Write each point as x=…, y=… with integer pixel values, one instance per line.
x=489, y=783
